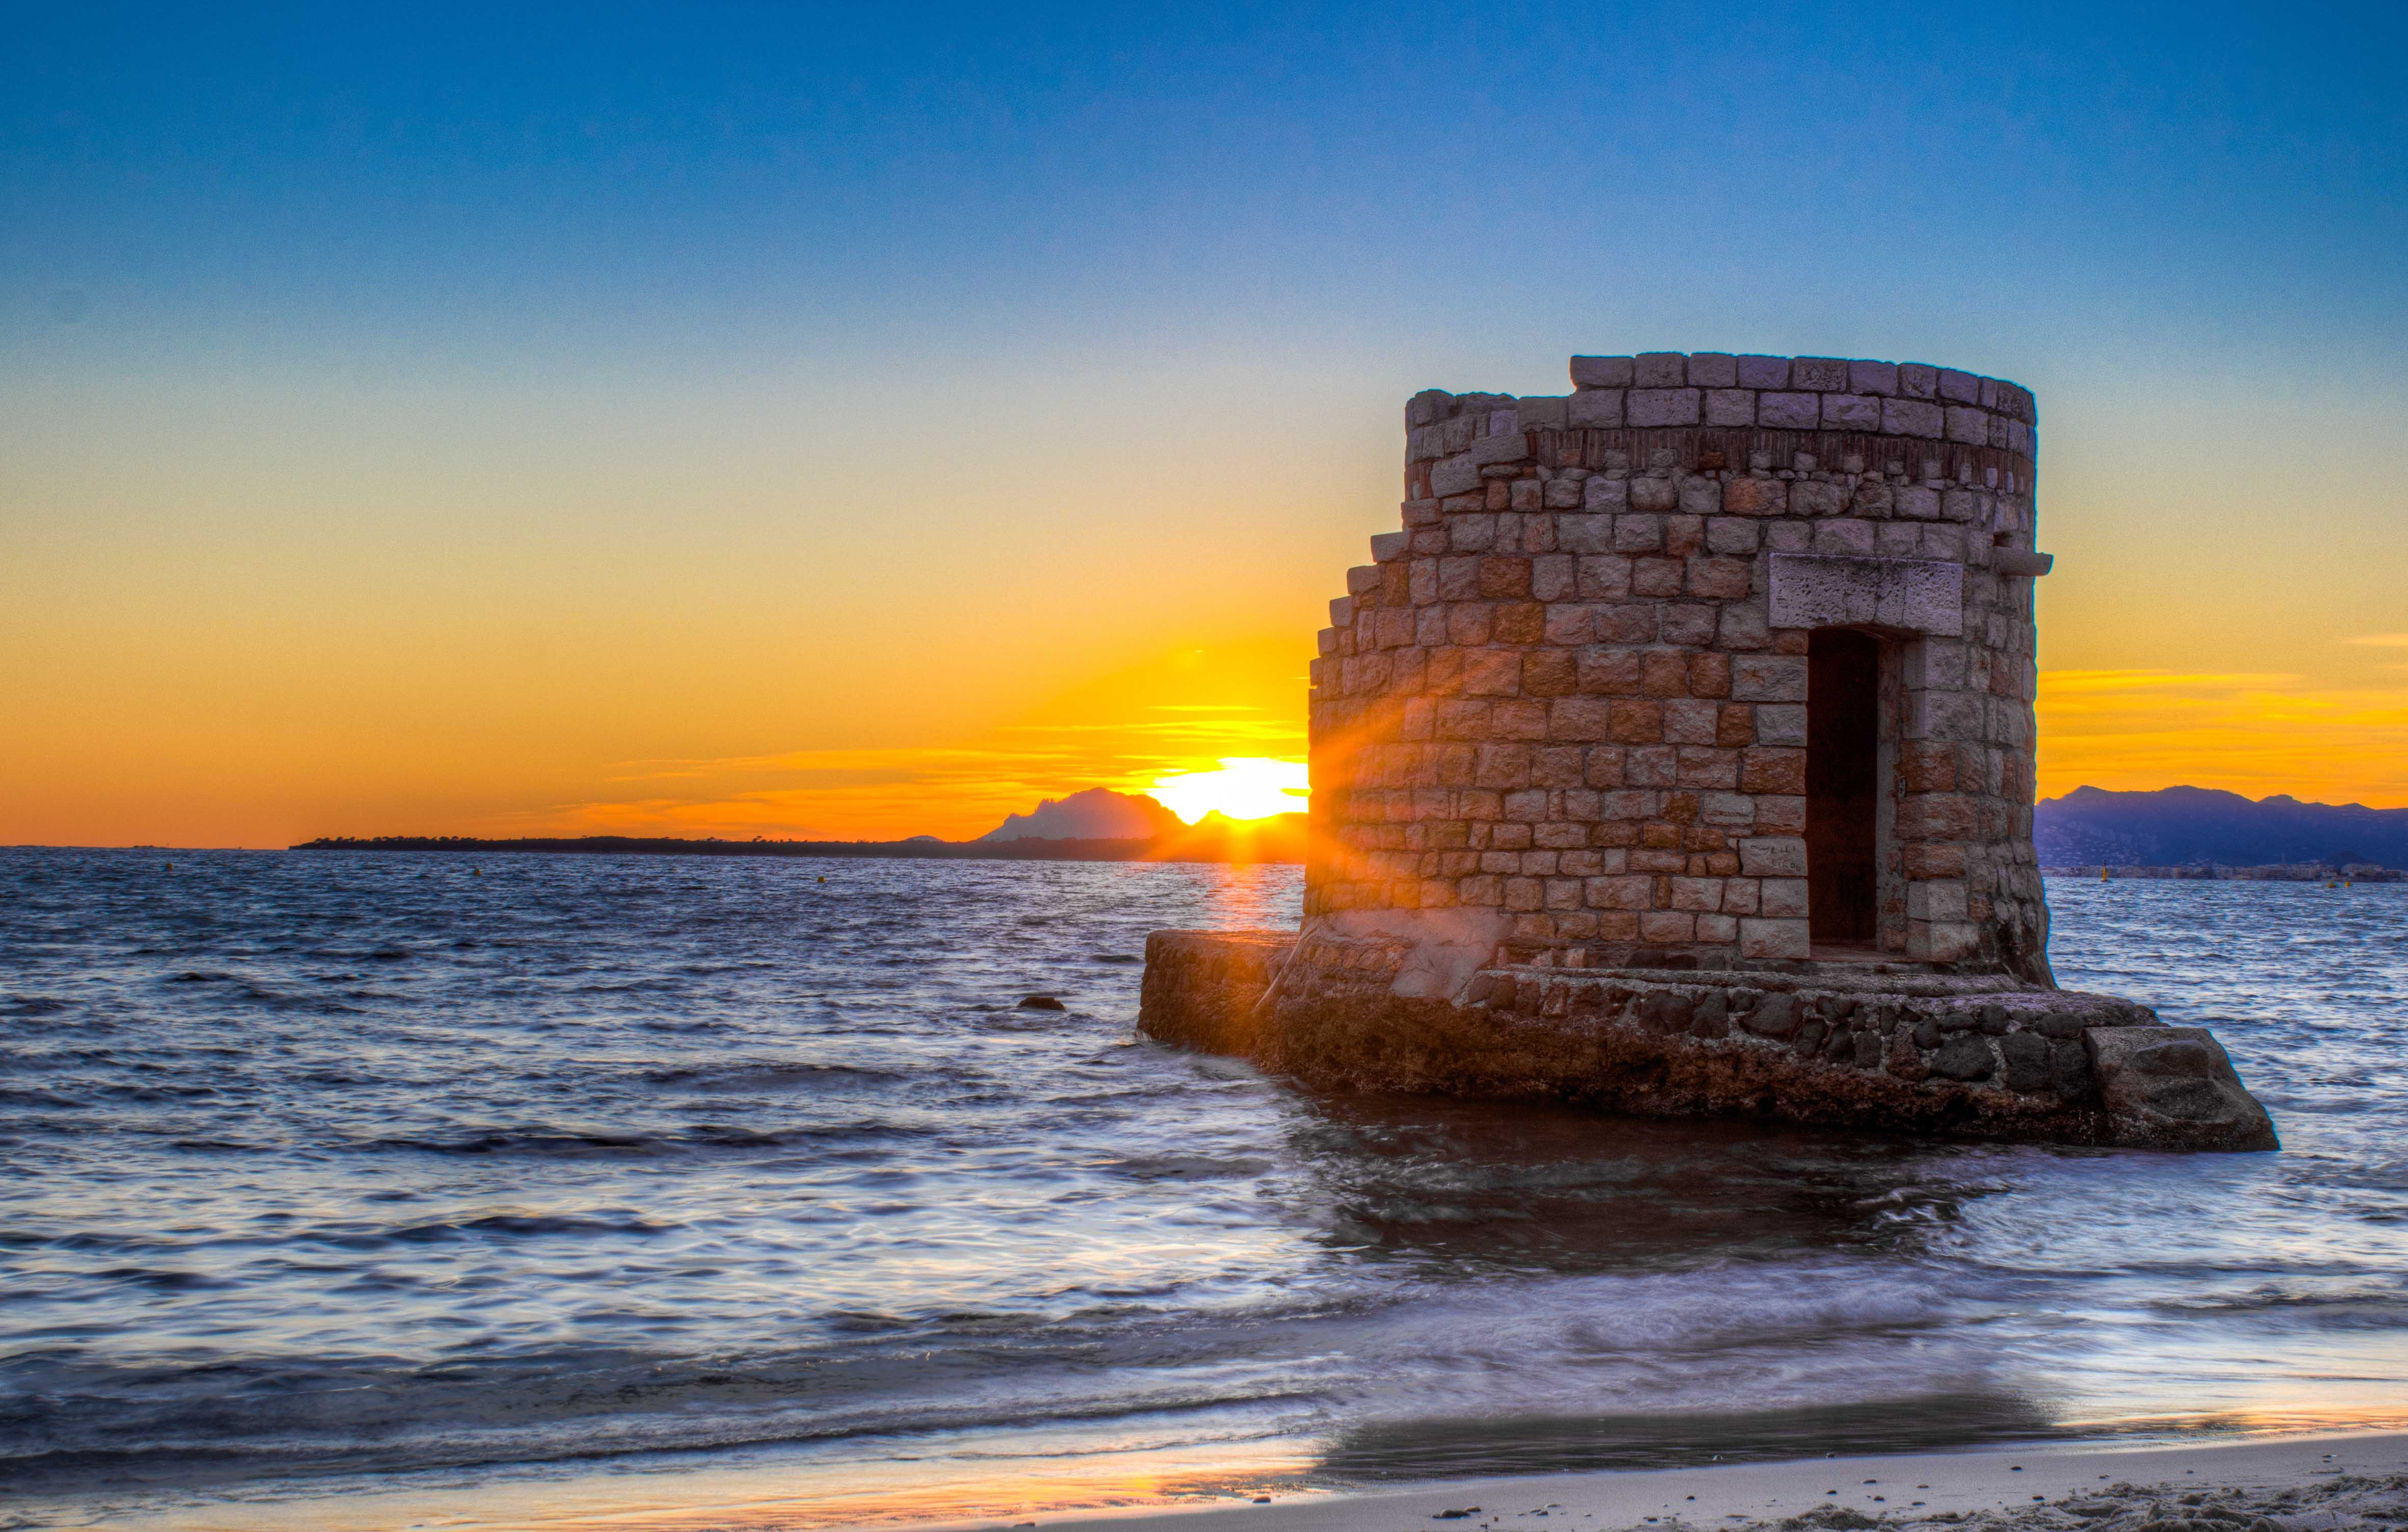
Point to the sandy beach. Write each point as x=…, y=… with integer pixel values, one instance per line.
x=2307, y=1483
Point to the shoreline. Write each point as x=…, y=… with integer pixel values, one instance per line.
x=1899, y=1489
x=2104, y=1484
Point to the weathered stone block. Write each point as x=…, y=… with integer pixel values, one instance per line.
x=1720, y=579
x=1789, y=412
x=1872, y=377
x=1919, y=501
x=1519, y=623
x=1504, y=579
x=1769, y=677
x=1772, y=770
x=1743, y=625
x=1548, y=673
x=1731, y=534
x=1823, y=373
x=1713, y=369
x=1847, y=413
x=1937, y=899
x=1492, y=672
x=1782, y=724
x=1602, y=494
x=1580, y=719
x=1635, y=721
x=1965, y=1056
x=1911, y=418
x=1971, y=426
x=1622, y=893
x=1602, y=371
x=1668, y=928
x=1654, y=494
x=1655, y=576
x=1453, y=475
x=1938, y=816
x=1756, y=496
x=1661, y=406
x=1539, y=412
x=1505, y=447
x=1595, y=409
x=1772, y=856
x=1763, y=372
x=1730, y=407
x=1844, y=537
x=1660, y=369
x=1911, y=595
x=1760, y=938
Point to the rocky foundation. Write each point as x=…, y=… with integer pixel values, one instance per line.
x=1843, y=1045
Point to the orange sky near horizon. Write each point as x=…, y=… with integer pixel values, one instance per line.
x=273, y=617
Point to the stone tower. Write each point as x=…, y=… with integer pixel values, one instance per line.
x=1676, y=758
x=1716, y=662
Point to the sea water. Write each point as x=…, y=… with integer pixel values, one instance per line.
x=336, y=1173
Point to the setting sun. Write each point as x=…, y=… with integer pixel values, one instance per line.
x=1243, y=787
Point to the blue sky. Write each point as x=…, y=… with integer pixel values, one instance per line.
x=714, y=384
x=444, y=183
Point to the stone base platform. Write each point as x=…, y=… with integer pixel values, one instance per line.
x=1854, y=1045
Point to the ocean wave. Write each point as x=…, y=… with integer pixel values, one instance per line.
x=527, y=1223
x=763, y=1075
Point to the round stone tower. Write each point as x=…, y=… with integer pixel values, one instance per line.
x=1716, y=662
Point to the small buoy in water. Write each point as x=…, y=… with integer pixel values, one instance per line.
x=1040, y=1002
x=476, y=872
x=171, y=866
x=823, y=879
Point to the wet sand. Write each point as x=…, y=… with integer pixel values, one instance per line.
x=2302, y=1484
x=2322, y=1482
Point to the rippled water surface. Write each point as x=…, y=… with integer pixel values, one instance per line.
x=340, y=1169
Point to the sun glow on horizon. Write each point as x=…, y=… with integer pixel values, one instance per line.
x=1242, y=787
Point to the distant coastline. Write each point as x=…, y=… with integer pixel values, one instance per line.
x=1269, y=841
x=2297, y=872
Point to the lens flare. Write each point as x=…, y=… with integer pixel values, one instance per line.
x=1243, y=787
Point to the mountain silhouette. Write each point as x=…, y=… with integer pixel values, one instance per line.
x=1097, y=814
x=2181, y=826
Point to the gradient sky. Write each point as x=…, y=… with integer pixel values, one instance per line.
x=850, y=422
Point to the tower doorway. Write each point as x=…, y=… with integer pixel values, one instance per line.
x=1842, y=785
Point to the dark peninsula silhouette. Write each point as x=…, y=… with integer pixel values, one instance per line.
x=1213, y=838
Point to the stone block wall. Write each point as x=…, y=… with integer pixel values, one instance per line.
x=1572, y=687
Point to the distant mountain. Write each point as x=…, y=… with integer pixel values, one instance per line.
x=2178, y=826
x=1097, y=814
x=1217, y=838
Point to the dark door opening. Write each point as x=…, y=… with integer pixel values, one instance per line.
x=1843, y=755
